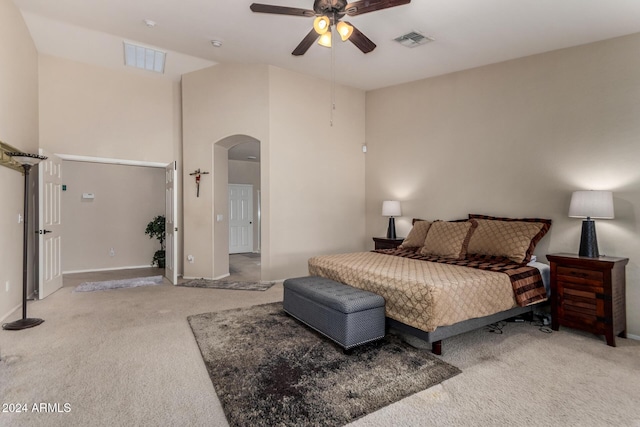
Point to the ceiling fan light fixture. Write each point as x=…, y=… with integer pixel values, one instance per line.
x=345, y=30
x=321, y=24
x=325, y=39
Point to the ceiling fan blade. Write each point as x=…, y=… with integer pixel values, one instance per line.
x=361, y=41
x=306, y=43
x=281, y=10
x=366, y=6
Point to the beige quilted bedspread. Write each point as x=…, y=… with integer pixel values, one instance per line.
x=421, y=294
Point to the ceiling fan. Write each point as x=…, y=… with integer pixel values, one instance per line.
x=328, y=13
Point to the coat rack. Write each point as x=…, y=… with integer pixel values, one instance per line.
x=26, y=161
x=8, y=161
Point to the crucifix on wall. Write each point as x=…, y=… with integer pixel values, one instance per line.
x=197, y=174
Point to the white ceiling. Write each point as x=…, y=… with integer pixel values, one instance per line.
x=245, y=151
x=468, y=33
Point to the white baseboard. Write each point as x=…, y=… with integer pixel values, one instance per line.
x=633, y=337
x=131, y=267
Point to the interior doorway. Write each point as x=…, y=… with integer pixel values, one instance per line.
x=122, y=196
x=244, y=188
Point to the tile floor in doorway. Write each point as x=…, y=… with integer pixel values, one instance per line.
x=244, y=267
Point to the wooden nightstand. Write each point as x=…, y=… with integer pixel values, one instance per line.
x=384, y=243
x=589, y=294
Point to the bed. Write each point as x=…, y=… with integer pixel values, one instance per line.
x=450, y=277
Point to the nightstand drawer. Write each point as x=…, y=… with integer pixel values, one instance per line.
x=569, y=291
x=386, y=243
x=588, y=301
x=580, y=275
x=583, y=306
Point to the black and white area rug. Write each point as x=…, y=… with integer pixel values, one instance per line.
x=270, y=370
x=228, y=284
x=118, y=284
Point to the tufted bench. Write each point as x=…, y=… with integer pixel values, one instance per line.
x=347, y=315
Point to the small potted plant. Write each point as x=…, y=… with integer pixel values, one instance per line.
x=155, y=229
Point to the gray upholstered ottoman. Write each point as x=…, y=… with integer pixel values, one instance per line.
x=347, y=315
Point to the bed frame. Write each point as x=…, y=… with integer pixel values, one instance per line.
x=442, y=332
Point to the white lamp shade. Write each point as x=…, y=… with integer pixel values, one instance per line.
x=591, y=204
x=391, y=208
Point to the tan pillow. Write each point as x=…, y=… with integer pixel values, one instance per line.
x=417, y=235
x=448, y=239
x=510, y=239
x=516, y=235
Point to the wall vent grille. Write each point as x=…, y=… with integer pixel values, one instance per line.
x=413, y=39
x=144, y=58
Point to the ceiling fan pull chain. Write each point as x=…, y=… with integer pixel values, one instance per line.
x=333, y=79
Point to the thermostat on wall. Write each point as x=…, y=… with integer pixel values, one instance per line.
x=88, y=196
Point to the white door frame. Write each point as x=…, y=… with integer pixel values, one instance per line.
x=105, y=160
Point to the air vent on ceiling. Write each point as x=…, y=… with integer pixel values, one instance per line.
x=413, y=39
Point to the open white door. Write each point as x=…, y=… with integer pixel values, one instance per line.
x=240, y=218
x=50, y=225
x=171, y=223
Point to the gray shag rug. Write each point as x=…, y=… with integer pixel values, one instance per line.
x=270, y=370
x=228, y=284
x=117, y=284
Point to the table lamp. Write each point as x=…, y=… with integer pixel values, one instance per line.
x=391, y=208
x=590, y=205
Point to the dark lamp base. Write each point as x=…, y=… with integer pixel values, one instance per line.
x=22, y=324
x=588, y=240
x=391, y=230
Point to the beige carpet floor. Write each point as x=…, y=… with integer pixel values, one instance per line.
x=127, y=357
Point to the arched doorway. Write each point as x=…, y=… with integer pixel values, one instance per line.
x=237, y=167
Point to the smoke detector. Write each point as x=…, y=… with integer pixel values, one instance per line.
x=413, y=39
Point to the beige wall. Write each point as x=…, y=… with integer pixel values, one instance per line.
x=126, y=199
x=86, y=110
x=515, y=139
x=220, y=236
x=218, y=102
x=316, y=171
x=99, y=112
x=18, y=127
x=246, y=172
x=312, y=174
